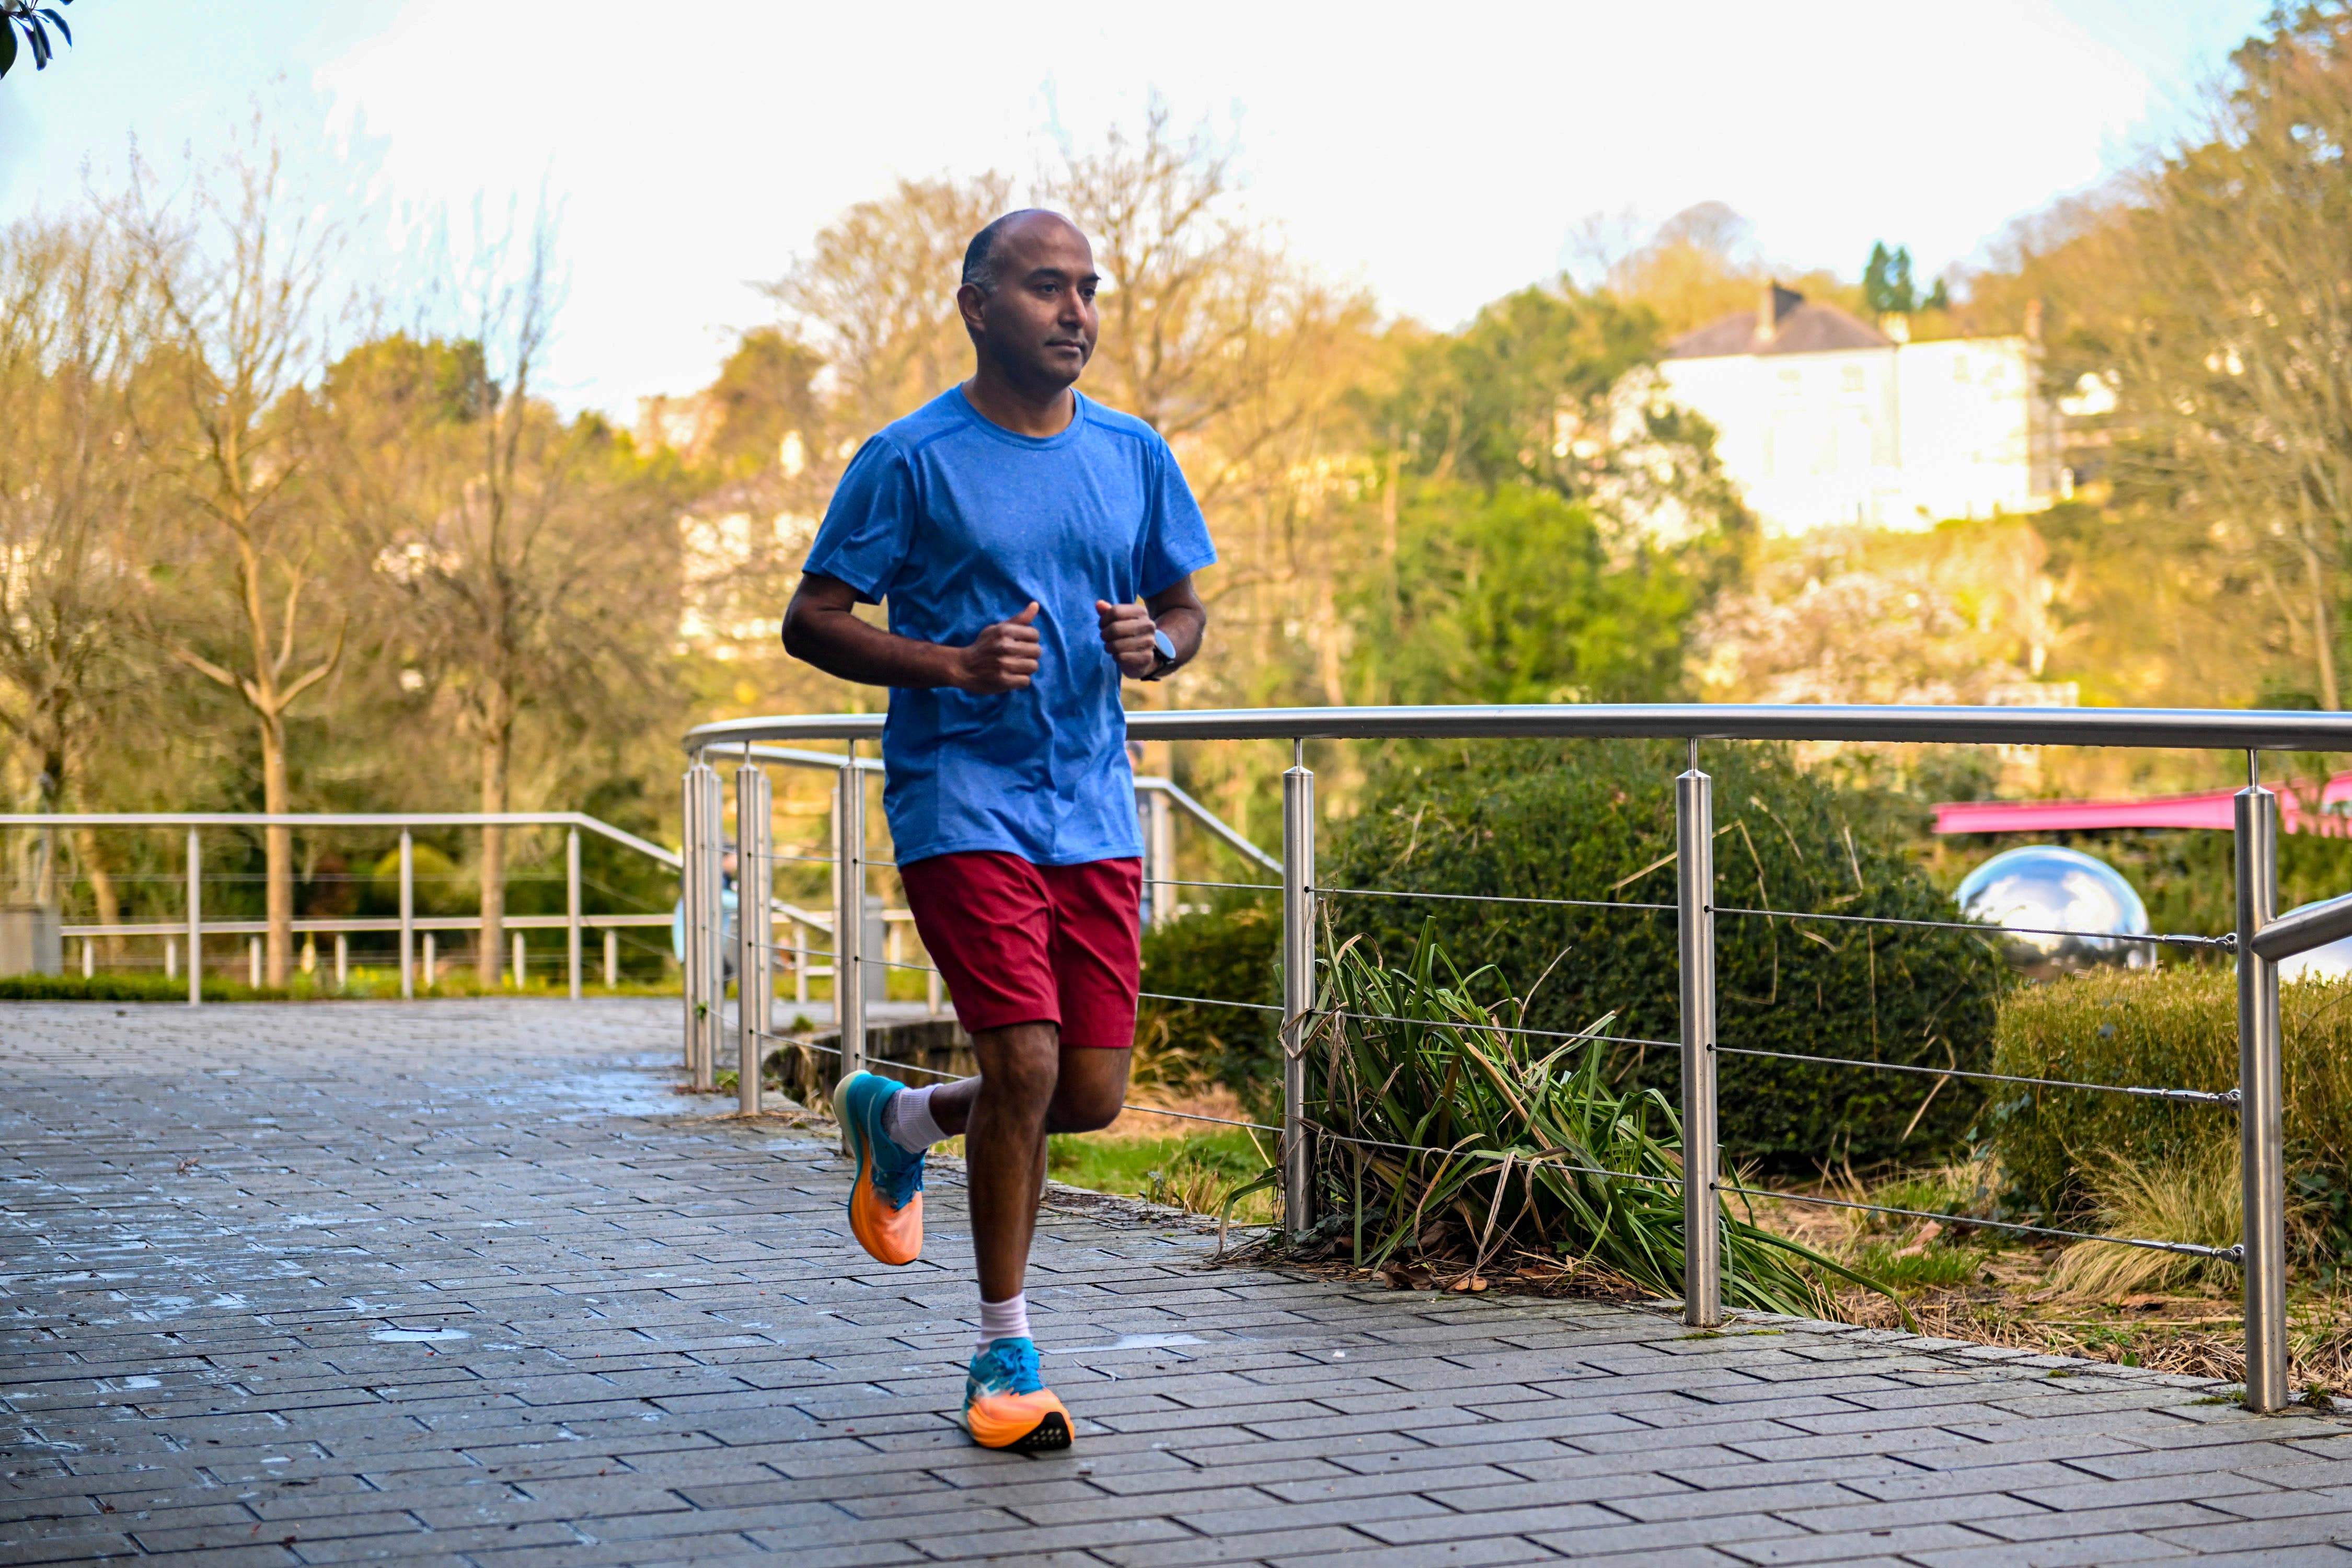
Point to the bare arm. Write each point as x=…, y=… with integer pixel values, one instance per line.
x=819, y=627
x=1127, y=628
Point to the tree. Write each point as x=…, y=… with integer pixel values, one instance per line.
x=530, y=559
x=1887, y=286
x=73, y=506
x=1516, y=394
x=1514, y=594
x=238, y=283
x=1702, y=265
x=2229, y=341
x=875, y=296
x=33, y=20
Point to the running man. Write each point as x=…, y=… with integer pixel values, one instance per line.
x=1011, y=526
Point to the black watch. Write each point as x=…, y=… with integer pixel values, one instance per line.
x=1166, y=644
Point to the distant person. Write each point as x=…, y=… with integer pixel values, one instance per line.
x=1011, y=525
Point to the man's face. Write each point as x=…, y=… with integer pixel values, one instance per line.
x=1039, y=324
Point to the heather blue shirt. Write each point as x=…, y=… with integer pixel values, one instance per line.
x=955, y=523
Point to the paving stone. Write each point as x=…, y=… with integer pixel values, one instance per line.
x=672, y=1353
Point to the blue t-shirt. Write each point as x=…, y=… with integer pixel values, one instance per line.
x=957, y=523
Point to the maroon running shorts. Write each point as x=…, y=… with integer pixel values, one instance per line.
x=1019, y=944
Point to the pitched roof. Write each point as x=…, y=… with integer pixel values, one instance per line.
x=1800, y=326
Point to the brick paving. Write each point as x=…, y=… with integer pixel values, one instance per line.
x=465, y=1283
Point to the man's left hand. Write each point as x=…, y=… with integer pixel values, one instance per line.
x=1127, y=634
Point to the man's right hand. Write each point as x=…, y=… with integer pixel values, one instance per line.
x=1001, y=658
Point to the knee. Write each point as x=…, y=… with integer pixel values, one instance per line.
x=1027, y=1079
x=1086, y=1108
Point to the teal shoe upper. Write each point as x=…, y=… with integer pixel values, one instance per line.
x=1006, y=1367
x=897, y=1174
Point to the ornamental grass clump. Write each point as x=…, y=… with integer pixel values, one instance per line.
x=1443, y=1131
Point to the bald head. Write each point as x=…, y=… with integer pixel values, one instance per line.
x=984, y=259
x=1028, y=301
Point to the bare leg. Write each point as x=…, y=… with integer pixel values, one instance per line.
x=1029, y=1085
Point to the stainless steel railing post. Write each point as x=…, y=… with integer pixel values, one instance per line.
x=755, y=936
x=1695, y=925
x=1159, y=855
x=706, y=975
x=849, y=914
x=407, y=914
x=690, y=901
x=195, y=920
x=2261, y=1100
x=1298, y=989
x=571, y=907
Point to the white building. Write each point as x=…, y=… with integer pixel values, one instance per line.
x=1823, y=420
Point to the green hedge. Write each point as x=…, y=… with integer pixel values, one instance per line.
x=121, y=988
x=2173, y=1028
x=1595, y=820
x=1231, y=951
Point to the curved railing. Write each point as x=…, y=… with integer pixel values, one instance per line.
x=2257, y=1100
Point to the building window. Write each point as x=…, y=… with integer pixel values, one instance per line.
x=1852, y=379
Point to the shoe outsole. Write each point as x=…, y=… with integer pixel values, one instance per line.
x=1050, y=1436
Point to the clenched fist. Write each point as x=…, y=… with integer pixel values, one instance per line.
x=1001, y=658
x=1127, y=634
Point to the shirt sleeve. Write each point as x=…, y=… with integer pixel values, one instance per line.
x=1176, y=539
x=870, y=525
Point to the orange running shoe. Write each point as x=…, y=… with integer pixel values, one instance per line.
x=885, y=1196
x=1006, y=1403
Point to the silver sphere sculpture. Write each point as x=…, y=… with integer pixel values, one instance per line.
x=2050, y=899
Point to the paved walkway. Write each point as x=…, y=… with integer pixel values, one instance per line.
x=464, y=1283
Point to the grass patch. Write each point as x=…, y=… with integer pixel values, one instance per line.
x=1916, y=1267
x=1194, y=1170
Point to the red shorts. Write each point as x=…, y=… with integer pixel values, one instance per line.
x=1019, y=944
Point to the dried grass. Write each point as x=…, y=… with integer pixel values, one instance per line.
x=2193, y=1196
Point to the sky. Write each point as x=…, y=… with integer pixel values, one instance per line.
x=1439, y=156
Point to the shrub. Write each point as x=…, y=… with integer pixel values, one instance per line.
x=122, y=988
x=2172, y=1028
x=1231, y=951
x=1595, y=820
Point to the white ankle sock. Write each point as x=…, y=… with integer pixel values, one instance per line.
x=1004, y=1320
x=906, y=1120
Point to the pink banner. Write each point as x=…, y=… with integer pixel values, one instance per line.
x=2211, y=810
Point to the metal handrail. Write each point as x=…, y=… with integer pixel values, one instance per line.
x=2261, y=941
x=1208, y=819
x=2305, y=929
x=668, y=858
x=2196, y=729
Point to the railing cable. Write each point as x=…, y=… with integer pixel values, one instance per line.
x=1490, y=899
x=2194, y=1095
x=1547, y=1161
x=2227, y=940
x=1502, y=1029
x=938, y=1073
x=2189, y=1249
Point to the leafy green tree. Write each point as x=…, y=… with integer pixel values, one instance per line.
x=1513, y=594
x=1513, y=395
x=1886, y=286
